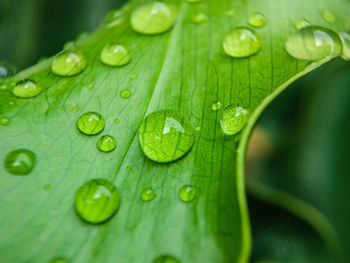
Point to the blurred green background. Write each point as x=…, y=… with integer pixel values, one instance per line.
x=306, y=145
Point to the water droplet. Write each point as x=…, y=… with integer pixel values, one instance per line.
x=47, y=187
x=113, y=15
x=91, y=123
x=125, y=93
x=345, y=38
x=75, y=109
x=69, y=45
x=133, y=76
x=199, y=18
x=129, y=168
x=68, y=63
x=328, y=16
x=241, y=42
x=166, y=259
x=230, y=13
x=97, y=200
x=59, y=260
x=90, y=86
x=106, y=143
x=198, y=128
x=19, y=162
x=257, y=20
x=233, y=119
x=301, y=23
x=313, y=43
x=26, y=89
x=152, y=18
x=216, y=105
x=148, y=195
x=116, y=121
x=165, y=137
x=4, y=121
x=6, y=69
x=187, y=193
x=115, y=55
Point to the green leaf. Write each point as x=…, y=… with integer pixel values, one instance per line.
x=184, y=70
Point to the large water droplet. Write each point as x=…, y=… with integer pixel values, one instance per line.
x=241, y=42
x=125, y=93
x=166, y=259
x=313, y=43
x=257, y=20
x=68, y=63
x=26, y=89
x=6, y=69
x=187, y=193
x=19, y=162
x=97, y=200
x=199, y=18
x=115, y=55
x=165, y=137
x=148, y=195
x=4, y=121
x=106, y=143
x=216, y=106
x=328, y=16
x=233, y=119
x=345, y=38
x=301, y=23
x=153, y=18
x=59, y=260
x=91, y=123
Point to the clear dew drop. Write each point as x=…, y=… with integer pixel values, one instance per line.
x=125, y=93
x=116, y=121
x=165, y=137
x=216, y=106
x=106, y=143
x=313, y=43
x=198, y=128
x=166, y=259
x=59, y=260
x=97, y=200
x=199, y=18
x=91, y=123
x=133, y=76
x=231, y=13
x=148, y=195
x=188, y=193
x=301, y=23
x=26, y=89
x=129, y=168
x=90, y=86
x=4, y=121
x=115, y=55
x=19, y=162
x=345, y=39
x=152, y=18
x=241, y=42
x=6, y=69
x=75, y=109
x=257, y=20
x=328, y=16
x=68, y=63
x=233, y=119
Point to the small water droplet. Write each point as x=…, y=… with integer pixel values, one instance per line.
x=187, y=193
x=328, y=16
x=199, y=18
x=19, y=162
x=75, y=109
x=166, y=259
x=47, y=187
x=133, y=76
x=68, y=63
x=106, y=143
x=230, y=13
x=116, y=121
x=216, y=105
x=198, y=128
x=257, y=20
x=301, y=23
x=91, y=123
x=233, y=119
x=69, y=45
x=129, y=168
x=345, y=39
x=115, y=55
x=6, y=69
x=4, y=121
x=165, y=137
x=97, y=200
x=241, y=42
x=59, y=260
x=90, y=86
x=313, y=43
x=26, y=89
x=153, y=18
x=148, y=195
x=125, y=93
x=113, y=15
